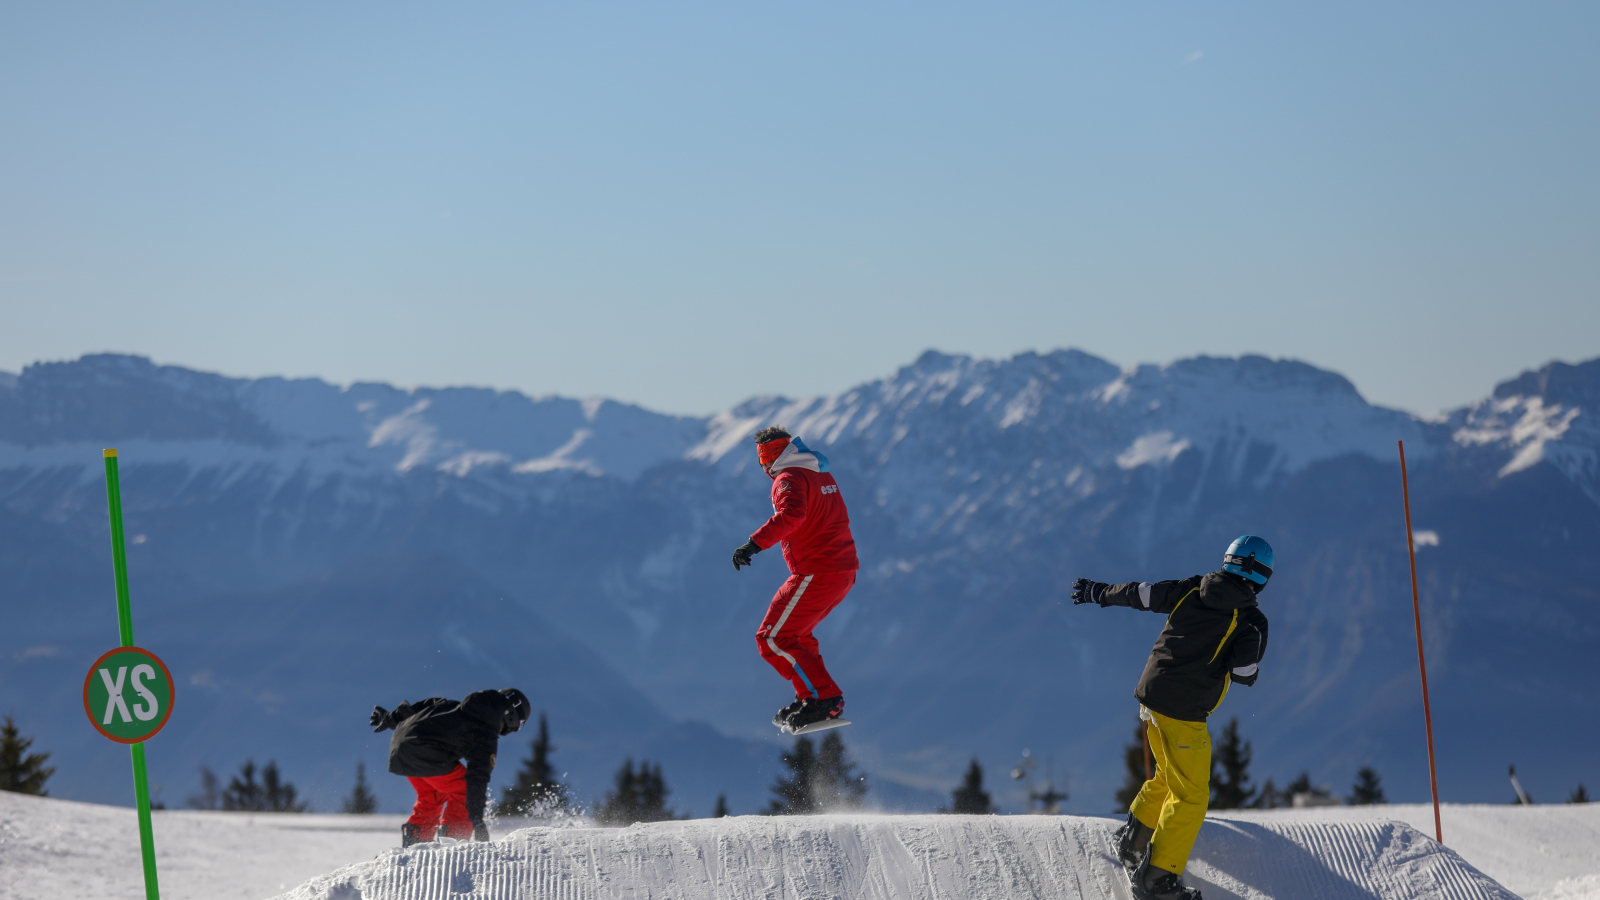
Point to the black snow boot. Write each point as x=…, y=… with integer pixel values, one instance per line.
x=408, y=835
x=782, y=718
x=1131, y=840
x=1155, y=883
x=815, y=710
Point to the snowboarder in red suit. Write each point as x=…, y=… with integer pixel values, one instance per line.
x=810, y=521
x=431, y=737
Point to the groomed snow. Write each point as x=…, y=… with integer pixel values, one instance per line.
x=62, y=850
x=1544, y=852
x=59, y=849
x=875, y=857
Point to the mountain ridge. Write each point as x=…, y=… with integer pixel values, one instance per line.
x=978, y=489
x=546, y=432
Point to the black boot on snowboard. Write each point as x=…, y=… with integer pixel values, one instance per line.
x=1155, y=883
x=409, y=834
x=782, y=718
x=1131, y=840
x=814, y=710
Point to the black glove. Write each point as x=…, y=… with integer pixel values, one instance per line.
x=741, y=556
x=380, y=720
x=480, y=832
x=1086, y=591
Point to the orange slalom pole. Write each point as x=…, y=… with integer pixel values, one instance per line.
x=1422, y=666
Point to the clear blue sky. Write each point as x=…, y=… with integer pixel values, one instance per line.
x=684, y=204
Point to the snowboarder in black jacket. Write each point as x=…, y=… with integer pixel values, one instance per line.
x=431, y=737
x=1215, y=635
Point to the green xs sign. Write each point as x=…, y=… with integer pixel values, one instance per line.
x=128, y=695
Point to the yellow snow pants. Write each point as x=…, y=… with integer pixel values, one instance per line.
x=1174, y=800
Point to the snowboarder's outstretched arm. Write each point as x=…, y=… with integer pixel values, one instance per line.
x=1249, y=646
x=385, y=719
x=1157, y=597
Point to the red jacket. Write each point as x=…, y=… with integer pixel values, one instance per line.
x=808, y=515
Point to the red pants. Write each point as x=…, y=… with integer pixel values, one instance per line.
x=785, y=637
x=442, y=792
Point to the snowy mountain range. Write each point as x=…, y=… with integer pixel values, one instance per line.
x=300, y=551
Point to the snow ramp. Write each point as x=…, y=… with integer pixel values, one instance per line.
x=877, y=857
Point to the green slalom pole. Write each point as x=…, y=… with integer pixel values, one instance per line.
x=141, y=782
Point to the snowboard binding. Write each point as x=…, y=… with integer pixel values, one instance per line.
x=816, y=714
x=1130, y=842
x=1154, y=883
x=781, y=719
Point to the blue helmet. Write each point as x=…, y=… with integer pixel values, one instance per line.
x=1249, y=556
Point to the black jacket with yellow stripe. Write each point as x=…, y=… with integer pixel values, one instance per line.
x=1215, y=634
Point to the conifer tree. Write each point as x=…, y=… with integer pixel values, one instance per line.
x=1368, y=789
x=721, y=812
x=361, y=800
x=794, y=796
x=209, y=797
x=1230, y=770
x=279, y=794
x=818, y=781
x=536, y=788
x=21, y=772
x=1581, y=795
x=1301, y=785
x=1133, y=763
x=1269, y=797
x=834, y=783
x=970, y=798
x=638, y=796
x=273, y=794
x=242, y=792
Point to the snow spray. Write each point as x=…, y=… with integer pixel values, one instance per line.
x=1416, y=608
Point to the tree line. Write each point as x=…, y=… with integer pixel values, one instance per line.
x=1231, y=786
x=818, y=778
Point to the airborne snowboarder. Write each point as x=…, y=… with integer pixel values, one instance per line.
x=810, y=521
x=431, y=737
x=1215, y=635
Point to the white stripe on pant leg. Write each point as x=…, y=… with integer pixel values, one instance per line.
x=784, y=618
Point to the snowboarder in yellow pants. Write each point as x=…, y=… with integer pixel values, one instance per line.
x=1215, y=636
x=1173, y=802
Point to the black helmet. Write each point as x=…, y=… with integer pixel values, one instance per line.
x=517, y=715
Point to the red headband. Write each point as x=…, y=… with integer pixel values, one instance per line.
x=771, y=450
